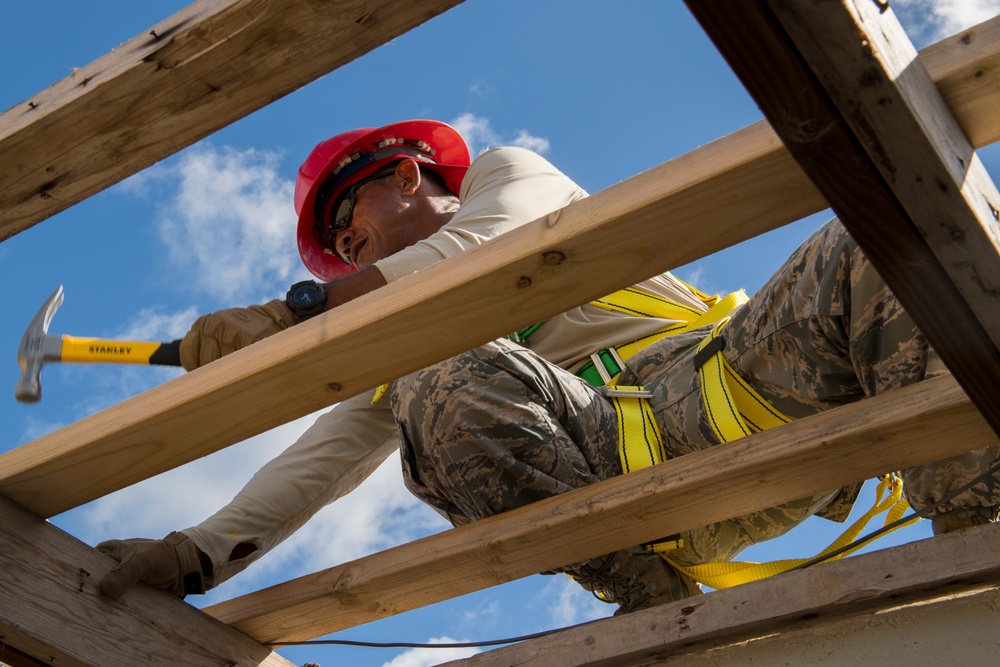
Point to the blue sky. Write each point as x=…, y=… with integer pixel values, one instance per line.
x=604, y=90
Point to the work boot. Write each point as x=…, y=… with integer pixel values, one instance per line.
x=632, y=581
x=963, y=518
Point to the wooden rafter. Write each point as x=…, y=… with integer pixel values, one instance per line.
x=858, y=588
x=210, y=64
x=709, y=199
x=843, y=88
x=720, y=194
x=917, y=424
x=51, y=609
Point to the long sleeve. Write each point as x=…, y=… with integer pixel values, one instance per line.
x=328, y=461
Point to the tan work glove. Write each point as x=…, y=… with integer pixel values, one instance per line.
x=173, y=564
x=217, y=334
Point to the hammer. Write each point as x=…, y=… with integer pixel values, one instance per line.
x=38, y=347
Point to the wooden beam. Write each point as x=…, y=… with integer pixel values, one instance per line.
x=210, y=64
x=736, y=187
x=966, y=69
x=931, y=570
x=842, y=86
x=53, y=611
x=915, y=425
x=720, y=194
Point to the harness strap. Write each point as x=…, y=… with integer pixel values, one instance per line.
x=733, y=407
x=640, y=443
x=605, y=365
x=735, y=410
x=720, y=575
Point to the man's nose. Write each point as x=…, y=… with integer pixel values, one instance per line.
x=343, y=242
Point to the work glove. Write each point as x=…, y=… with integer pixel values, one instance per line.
x=173, y=564
x=217, y=334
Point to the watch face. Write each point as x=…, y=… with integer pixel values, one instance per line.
x=307, y=295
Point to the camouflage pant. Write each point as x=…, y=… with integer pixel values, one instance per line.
x=498, y=427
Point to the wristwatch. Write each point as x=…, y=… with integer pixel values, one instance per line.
x=306, y=299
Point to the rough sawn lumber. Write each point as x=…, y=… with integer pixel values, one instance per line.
x=210, y=64
x=720, y=194
x=51, y=609
x=859, y=587
x=843, y=88
x=914, y=425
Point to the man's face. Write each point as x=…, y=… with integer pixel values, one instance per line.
x=384, y=220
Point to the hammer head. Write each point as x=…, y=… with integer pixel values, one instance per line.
x=37, y=347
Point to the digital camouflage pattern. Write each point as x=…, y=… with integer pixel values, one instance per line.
x=498, y=427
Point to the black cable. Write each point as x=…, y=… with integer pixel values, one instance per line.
x=497, y=642
x=350, y=642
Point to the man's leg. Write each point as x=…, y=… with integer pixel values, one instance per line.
x=823, y=332
x=498, y=428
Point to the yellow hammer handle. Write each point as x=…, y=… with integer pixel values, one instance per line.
x=115, y=351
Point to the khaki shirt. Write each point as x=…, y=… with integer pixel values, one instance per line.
x=503, y=189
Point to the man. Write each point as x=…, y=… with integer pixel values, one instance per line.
x=510, y=423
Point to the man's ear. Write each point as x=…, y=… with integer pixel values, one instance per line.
x=408, y=176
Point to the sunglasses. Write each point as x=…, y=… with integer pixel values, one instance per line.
x=345, y=207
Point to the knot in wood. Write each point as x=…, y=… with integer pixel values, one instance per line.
x=553, y=258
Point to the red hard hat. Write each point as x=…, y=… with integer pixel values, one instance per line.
x=340, y=161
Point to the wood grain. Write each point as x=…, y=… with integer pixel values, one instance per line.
x=930, y=570
x=210, y=64
x=918, y=424
x=841, y=85
x=53, y=611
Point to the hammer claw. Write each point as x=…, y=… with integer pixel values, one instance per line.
x=36, y=348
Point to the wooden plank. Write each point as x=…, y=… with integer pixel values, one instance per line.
x=709, y=199
x=915, y=425
x=842, y=86
x=53, y=611
x=210, y=64
x=969, y=91
x=638, y=228
x=215, y=62
x=859, y=587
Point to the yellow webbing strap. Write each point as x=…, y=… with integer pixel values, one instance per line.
x=640, y=303
x=727, y=574
x=640, y=443
x=733, y=408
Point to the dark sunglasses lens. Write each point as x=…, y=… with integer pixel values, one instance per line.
x=342, y=216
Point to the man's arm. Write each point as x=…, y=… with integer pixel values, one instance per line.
x=357, y=284
x=329, y=460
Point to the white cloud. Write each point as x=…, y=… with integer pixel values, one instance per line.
x=426, y=657
x=569, y=603
x=181, y=497
x=227, y=220
x=153, y=325
x=927, y=21
x=380, y=514
x=480, y=135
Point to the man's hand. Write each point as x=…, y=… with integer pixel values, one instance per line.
x=174, y=564
x=217, y=334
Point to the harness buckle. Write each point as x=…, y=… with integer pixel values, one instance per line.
x=617, y=392
x=598, y=362
x=714, y=345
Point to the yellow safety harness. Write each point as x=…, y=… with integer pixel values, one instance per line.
x=733, y=407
